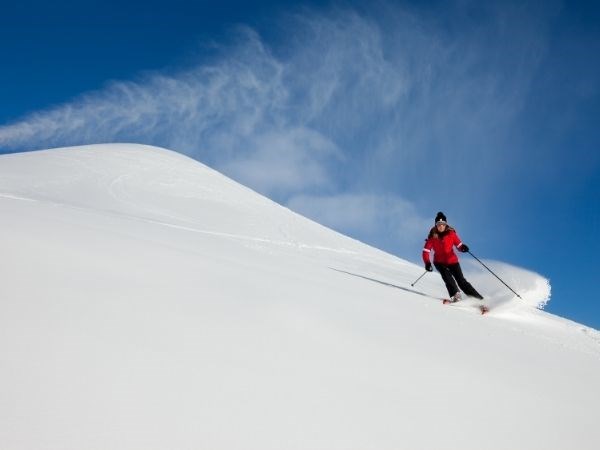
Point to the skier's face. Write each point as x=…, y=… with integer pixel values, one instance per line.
x=441, y=226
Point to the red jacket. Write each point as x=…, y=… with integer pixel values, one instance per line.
x=442, y=245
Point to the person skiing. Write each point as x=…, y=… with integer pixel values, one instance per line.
x=442, y=238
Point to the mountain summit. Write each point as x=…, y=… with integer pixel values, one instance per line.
x=149, y=302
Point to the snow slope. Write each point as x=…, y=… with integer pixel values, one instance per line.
x=148, y=302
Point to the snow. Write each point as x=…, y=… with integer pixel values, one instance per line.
x=148, y=302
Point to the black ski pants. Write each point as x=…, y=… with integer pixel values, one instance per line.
x=452, y=274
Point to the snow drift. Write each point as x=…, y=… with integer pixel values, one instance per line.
x=149, y=302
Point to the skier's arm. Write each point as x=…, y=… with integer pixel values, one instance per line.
x=426, y=253
x=459, y=244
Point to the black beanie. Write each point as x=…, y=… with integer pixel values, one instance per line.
x=440, y=217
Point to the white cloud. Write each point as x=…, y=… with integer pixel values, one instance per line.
x=385, y=220
x=284, y=161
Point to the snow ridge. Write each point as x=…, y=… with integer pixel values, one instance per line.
x=148, y=302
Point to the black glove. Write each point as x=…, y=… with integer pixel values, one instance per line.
x=464, y=248
x=428, y=267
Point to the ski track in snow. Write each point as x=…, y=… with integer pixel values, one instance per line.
x=190, y=227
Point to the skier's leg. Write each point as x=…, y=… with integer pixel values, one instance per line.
x=447, y=277
x=465, y=286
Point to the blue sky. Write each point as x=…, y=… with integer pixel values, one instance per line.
x=368, y=118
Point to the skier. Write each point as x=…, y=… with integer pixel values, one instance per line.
x=442, y=238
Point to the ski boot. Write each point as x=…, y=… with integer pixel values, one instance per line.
x=456, y=297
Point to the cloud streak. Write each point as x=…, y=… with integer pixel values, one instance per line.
x=334, y=116
x=386, y=221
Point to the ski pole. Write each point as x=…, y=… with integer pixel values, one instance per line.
x=416, y=281
x=490, y=270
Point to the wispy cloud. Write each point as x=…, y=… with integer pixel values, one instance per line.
x=340, y=103
x=386, y=221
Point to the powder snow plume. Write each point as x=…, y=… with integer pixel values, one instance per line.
x=533, y=288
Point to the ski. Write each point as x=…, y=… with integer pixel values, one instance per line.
x=482, y=308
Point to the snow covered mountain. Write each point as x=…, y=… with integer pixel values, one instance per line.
x=148, y=302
